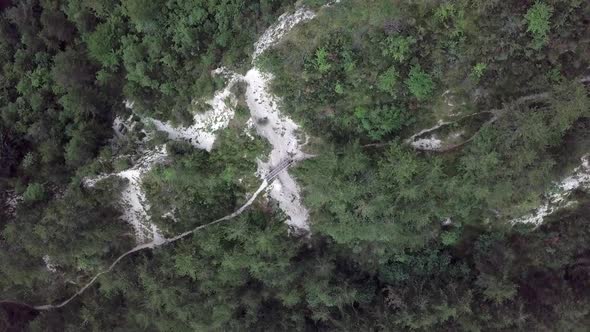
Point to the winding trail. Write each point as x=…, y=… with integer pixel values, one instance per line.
x=435, y=145
x=284, y=23
x=135, y=204
x=202, y=133
x=158, y=243
x=280, y=131
x=282, y=134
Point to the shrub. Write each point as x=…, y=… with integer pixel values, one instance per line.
x=321, y=60
x=444, y=12
x=449, y=238
x=397, y=47
x=29, y=160
x=338, y=88
x=478, y=70
x=387, y=80
x=419, y=83
x=381, y=120
x=538, y=23
x=34, y=193
x=121, y=164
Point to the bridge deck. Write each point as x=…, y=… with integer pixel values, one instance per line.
x=278, y=169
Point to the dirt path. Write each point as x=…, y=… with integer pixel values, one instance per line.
x=164, y=241
x=136, y=206
x=152, y=245
x=202, y=133
x=280, y=131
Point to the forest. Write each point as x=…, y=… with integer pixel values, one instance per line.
x=437, y=174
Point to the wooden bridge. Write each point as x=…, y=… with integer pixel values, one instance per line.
x=278, y=169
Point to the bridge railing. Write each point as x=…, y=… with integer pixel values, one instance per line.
x=278, y=169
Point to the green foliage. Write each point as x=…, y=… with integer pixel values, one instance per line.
x=452, y=18
x=121, y=164
x=103, y=43
x=538, y=19
x=321, y=60
x=419, y=83
x=387, y=80
x=444, y=12
x=338, y=88
x=377, y=257
x=478, y=70
x=144, y=14
x=81, y=148
x=397, y=47
x=29, y=160
x=381, y=121
x=450, y=238
x=35, y=192
x=496, y=290
x=569, y=102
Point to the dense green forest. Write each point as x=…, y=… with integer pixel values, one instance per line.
x=403, y=236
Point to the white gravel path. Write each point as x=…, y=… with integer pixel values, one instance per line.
x=202, y=133
x=284, y=24
x=427, y=144
x=281, y=133
x=136, y=206
x=558, y=198
x=279, y=130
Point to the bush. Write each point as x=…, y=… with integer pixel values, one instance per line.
x=478, y=70
x=538, y=23
x=121, y=164
x=380, y=121
x=34, y=193
x=321, y=60
x=450, y=238
x=387, y=80
x=397, y=47
x=420, y=83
